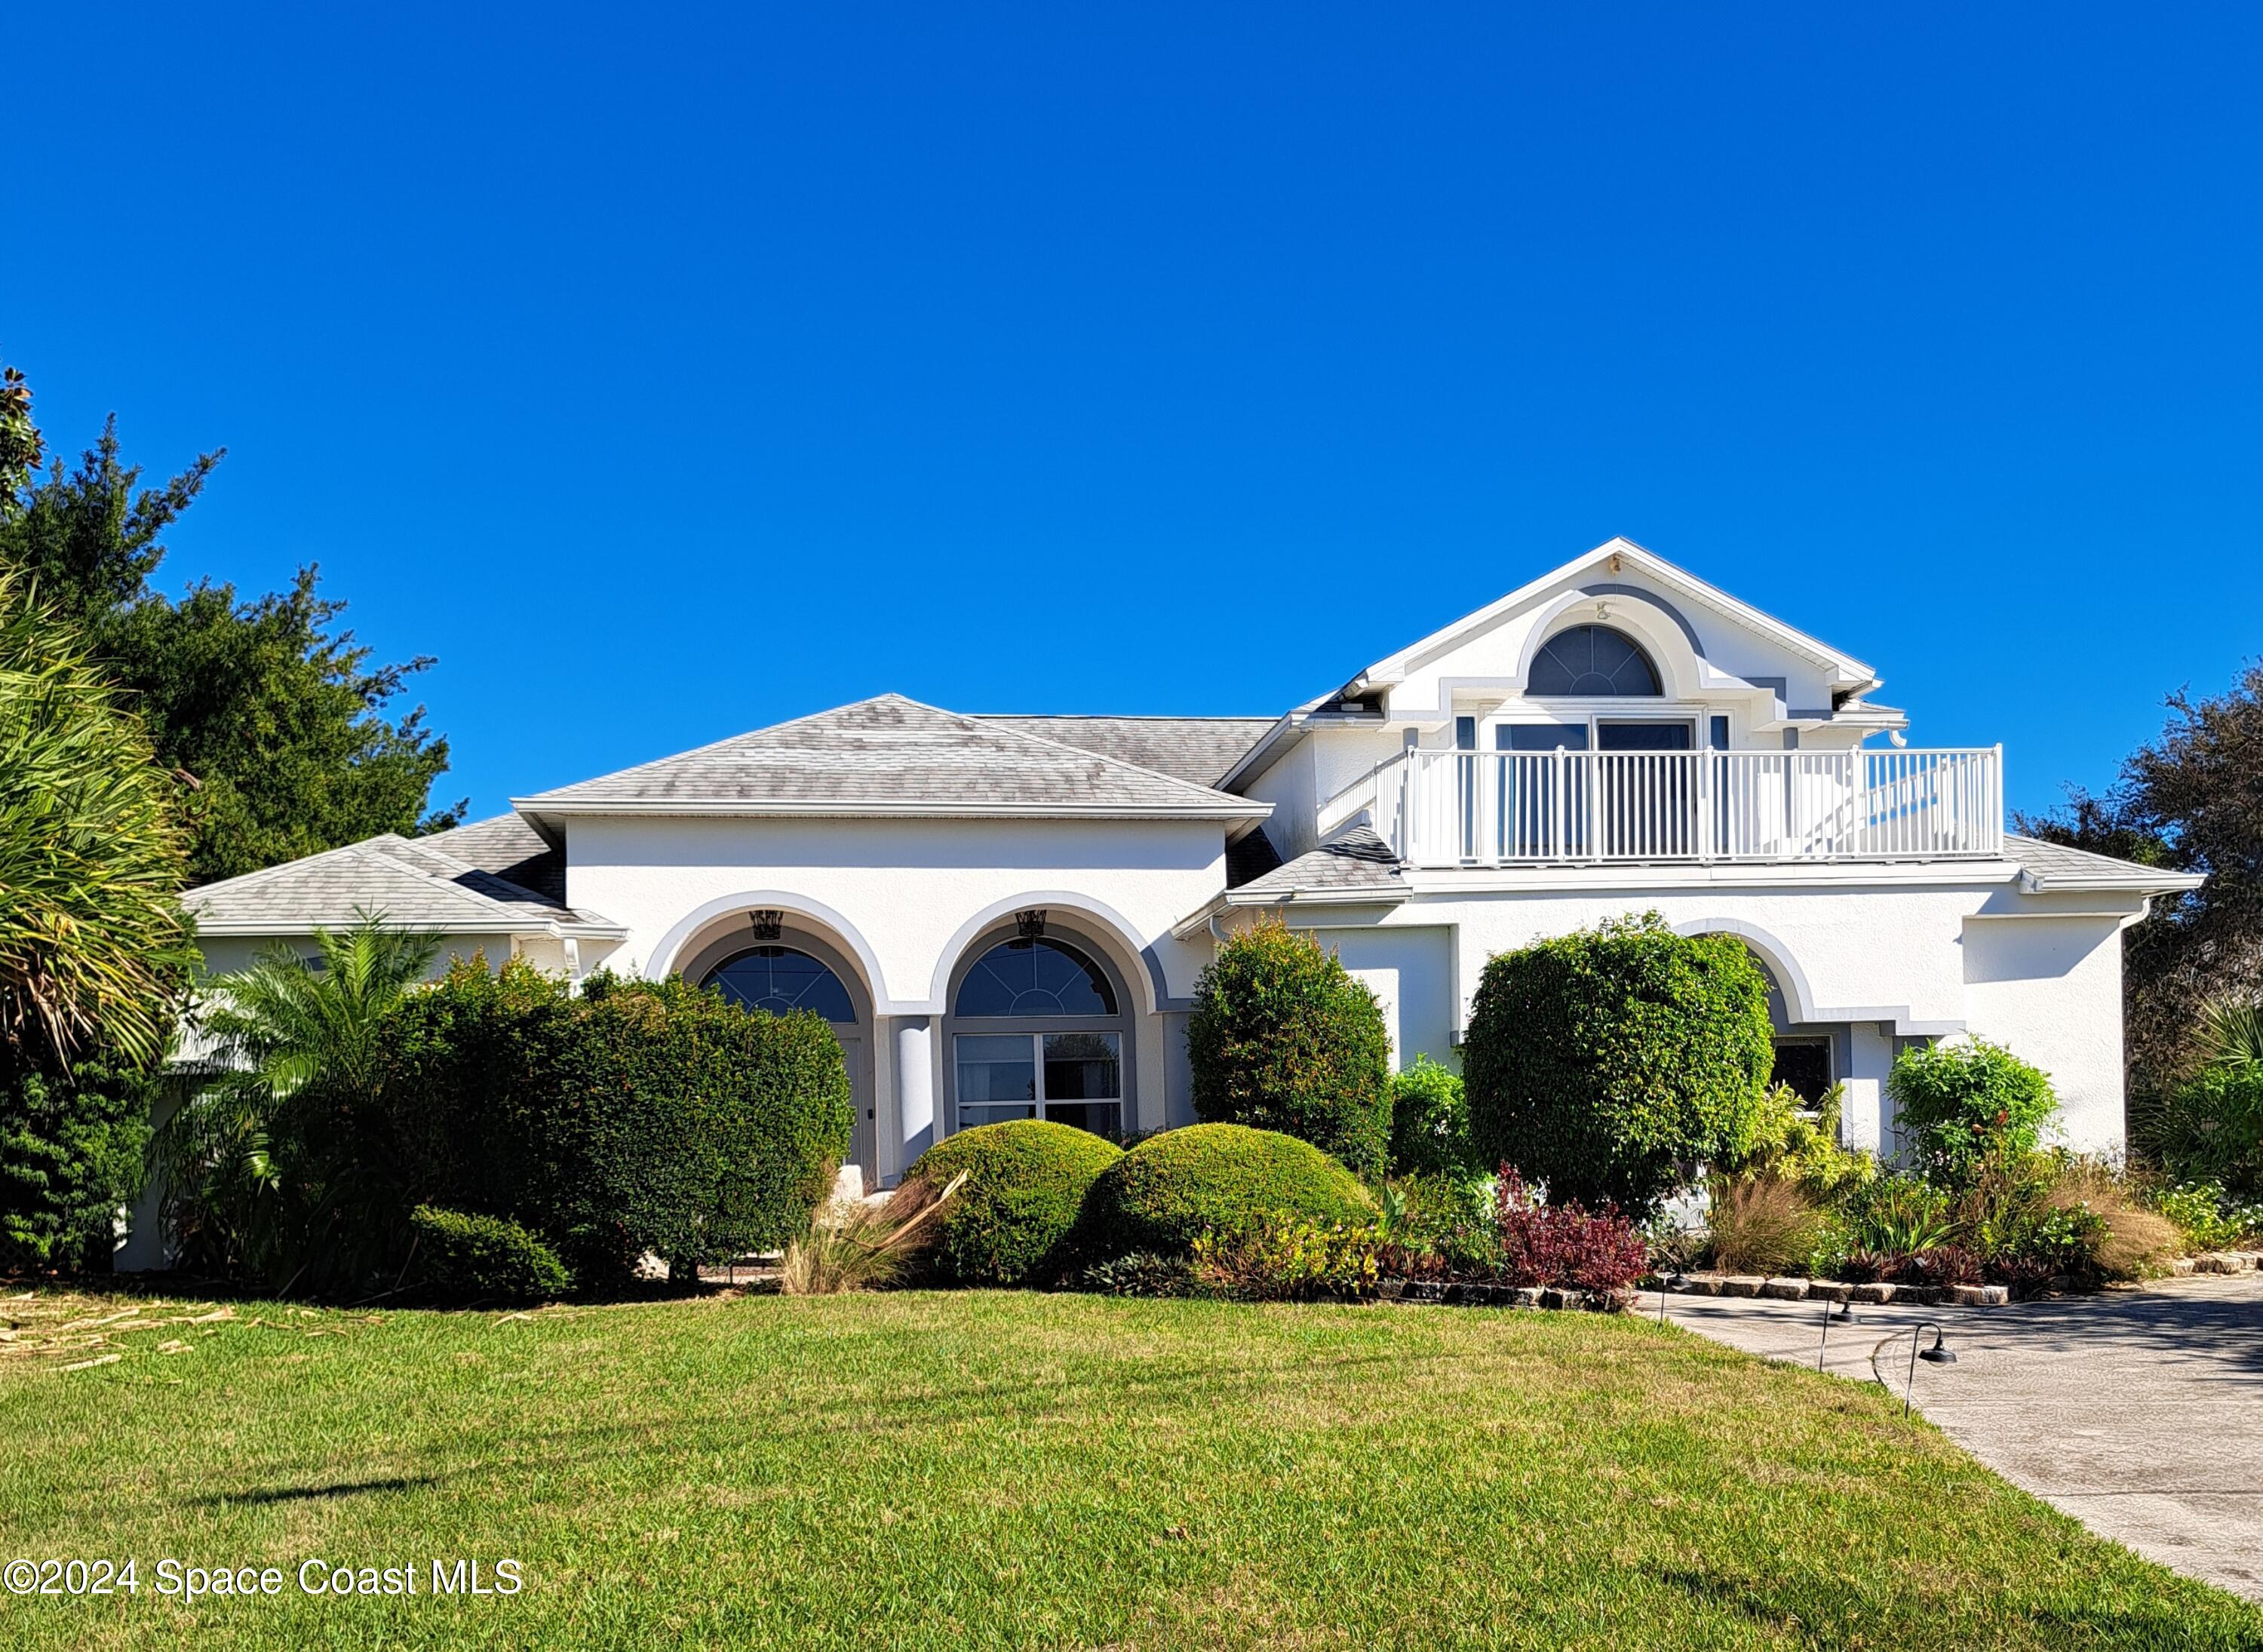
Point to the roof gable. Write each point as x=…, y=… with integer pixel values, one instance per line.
x=1613, y=559
x=892, y=755
x=413, y=884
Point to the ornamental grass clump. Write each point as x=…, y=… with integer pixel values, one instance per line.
x=866, y=1244
x=1761, y=1224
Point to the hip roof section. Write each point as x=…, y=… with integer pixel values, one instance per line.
x=890, y=756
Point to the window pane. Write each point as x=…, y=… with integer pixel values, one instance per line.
x=1805, y=1065
x=1102, y=1118
x=1082, y=1067
x=1591, y=660
x=997, y=1069
x=1542, y=737
x=969, y=1117
x=1034, y=977
x=779, y=979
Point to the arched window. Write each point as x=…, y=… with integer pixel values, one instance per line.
x=1591, y=661
x=1037, y=1034
x=780, y=979
x=1034, y=977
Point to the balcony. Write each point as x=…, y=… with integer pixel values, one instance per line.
x=1528, y=808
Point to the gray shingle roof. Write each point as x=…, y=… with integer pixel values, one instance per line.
x=894, y=756
x=413, y=884
x=1196, y=749
x=2050, y=865
x=506, y=846
x=1355, y=862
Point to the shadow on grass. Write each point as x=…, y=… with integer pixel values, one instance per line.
x=314, y=1494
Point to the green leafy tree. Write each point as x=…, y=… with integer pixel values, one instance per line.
x=275, y=717
x=1282, y=1038
x=2191, y=800
x=1608, y=1062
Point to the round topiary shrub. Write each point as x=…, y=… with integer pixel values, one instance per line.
x=1604, y=1062
x=1282, y=1038
x=1172, y=1188
x=1010, y=1221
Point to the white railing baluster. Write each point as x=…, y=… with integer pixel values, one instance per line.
x=1448, y=807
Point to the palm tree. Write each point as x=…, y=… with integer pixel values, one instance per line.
x=2231, y=1031
x=92, y=856
x=252, y=1183
x=288, y=1020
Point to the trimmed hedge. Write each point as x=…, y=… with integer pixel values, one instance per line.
x=1282, y=1038
x=693, y=1128
x=1956, y=1104
x=1172, y=1188
x=640, y=1116
x=468, y=1259
x=1604, y=1062
x=1026, y=1181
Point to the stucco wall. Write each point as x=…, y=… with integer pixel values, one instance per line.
x=2050, y=990
x=904, y=890
x=1866, y=965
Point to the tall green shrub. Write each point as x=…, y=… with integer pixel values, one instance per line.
x=1282, y=1038
x=2210, y=1128
x=690, y=1128
x=1603, y=1062
x=71, y=1149
x=1956, y=1105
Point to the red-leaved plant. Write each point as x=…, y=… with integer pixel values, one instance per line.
x=1564, y=1244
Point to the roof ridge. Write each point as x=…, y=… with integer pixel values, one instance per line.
x=717, y=745
x=1119, y=763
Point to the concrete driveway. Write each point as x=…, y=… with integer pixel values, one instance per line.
x=2139, y=1412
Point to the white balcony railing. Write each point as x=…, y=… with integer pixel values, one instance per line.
x=1497, y=808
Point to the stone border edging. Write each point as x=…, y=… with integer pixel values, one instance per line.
x=1795, y=1289
x=1456, y=1293
x=2218, y=1262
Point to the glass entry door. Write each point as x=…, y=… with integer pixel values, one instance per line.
x=1647, y=788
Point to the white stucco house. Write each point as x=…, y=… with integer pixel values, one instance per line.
x=1004, y=916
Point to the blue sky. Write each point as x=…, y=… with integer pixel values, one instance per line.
x=667, y=372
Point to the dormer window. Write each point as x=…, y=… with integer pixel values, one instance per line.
x=1591, y=662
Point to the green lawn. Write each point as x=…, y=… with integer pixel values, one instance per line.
x=993, y=1469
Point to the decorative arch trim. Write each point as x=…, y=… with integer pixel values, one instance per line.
x=670, y=954
x=1647, y=619
x=1799, y=998
x=1147, y=983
